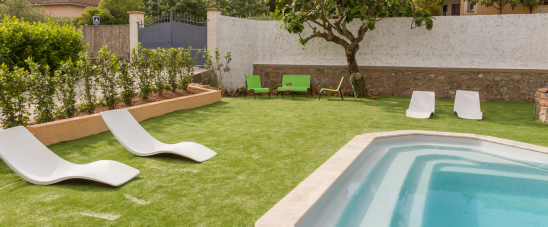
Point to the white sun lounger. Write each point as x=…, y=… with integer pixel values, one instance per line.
x=467, y=105
x=139, y=142
x=34, y=162
x=423, y=104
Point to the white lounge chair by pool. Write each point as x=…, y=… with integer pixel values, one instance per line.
x=467, y=105
x=423, y=104
x=34, y=162
x=139, y=142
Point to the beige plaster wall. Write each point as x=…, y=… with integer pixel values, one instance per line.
x=64, y=10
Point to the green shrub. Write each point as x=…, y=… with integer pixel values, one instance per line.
x=41, y=92
x=13, y=104
x=140, y=66
x=126, y=81
x=46, y=43
x=108, y=65
x=158, y=60
x=86, y=18
x=88, y=73
x=173, y=69
x=66, y=81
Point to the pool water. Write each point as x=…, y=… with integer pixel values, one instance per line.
x=435, y=185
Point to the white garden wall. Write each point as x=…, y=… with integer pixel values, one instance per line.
x=486, y=42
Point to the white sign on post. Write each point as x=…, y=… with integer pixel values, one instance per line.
x=96, y=20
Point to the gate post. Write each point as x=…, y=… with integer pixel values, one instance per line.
x=135, y=17
x=212, y=18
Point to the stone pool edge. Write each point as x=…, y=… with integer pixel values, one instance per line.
x=289, y=210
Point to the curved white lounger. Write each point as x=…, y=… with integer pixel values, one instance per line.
x=137, y=140
x=467, y=105
x=34, y=162
x=423, y=104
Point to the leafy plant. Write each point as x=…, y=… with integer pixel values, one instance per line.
x=46, y=43
x=220, y=67
x=108, y=65
x=208, y=62
x=66, y=81
x=88, y=74
x=158, y=58
x=126, y=81
x=288, y=84
x=140, y=65
x=13, y=103
x=41, y=92
x=173, y=69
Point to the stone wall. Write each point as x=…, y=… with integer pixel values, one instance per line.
x=493, y=84
x=116, y=37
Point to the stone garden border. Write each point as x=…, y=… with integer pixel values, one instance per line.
x=293, y=207
x=79, y=127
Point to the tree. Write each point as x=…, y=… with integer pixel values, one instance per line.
x=242, y=8
x=119, y=8
x=499, y=4
x=190, y=7
x=110, y=12
x=86, y=18
x=24, y=11
x=328, y=19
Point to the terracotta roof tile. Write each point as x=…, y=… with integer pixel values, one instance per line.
x=78, y=2
x=542, y=89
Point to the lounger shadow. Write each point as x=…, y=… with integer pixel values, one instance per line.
x=467, y=105
x=37, y=164
x=139, y=142
x=422, y=105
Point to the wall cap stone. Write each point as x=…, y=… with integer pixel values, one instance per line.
x=136, y=12
x=214, y=9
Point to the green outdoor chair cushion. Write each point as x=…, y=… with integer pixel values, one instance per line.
x=254, y=83
x=260, y=90
x=298, y=82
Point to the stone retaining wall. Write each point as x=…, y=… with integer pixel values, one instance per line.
x=493, y=84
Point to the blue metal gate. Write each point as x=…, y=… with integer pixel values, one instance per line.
x=174, y=30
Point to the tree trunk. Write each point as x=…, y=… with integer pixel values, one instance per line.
x=356, y=79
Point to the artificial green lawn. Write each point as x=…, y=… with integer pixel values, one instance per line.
x=265, y=148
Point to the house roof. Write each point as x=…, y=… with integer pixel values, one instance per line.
x=94, y=3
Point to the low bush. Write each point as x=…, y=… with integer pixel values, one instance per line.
x=126, y=81
x=46, y=43
x=66, y=81
x=13, y=103
x=41, y=92
x=87, y=73
x=108, y=65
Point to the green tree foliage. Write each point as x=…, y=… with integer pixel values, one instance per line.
x=119, y=8
x=242, y=8
x=41, y=92
x=499, y=4
x=190, y=7
x=87, y=16
x=233, y=8
x=25, y=11
x=432, y=6
x=46, y=43
x=110, y=11
x=328, y=19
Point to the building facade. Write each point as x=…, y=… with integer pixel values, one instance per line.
x=464, y=8
x=72, y=8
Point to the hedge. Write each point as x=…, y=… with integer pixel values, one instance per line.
x=45, y=43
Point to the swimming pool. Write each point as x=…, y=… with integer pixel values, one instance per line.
x=432, y=180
